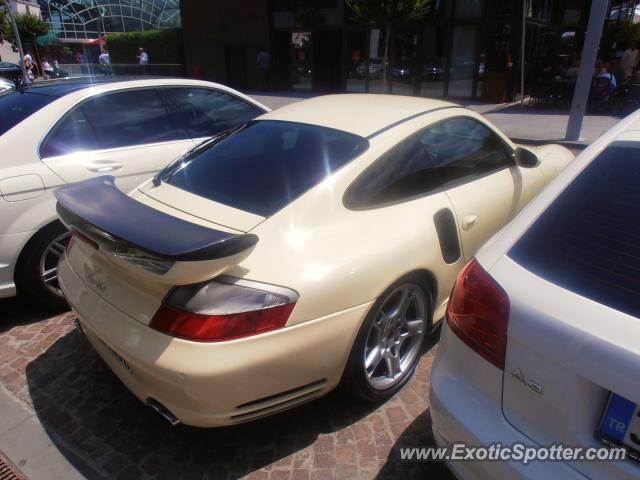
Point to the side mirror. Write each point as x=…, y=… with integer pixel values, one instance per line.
x=526, y=158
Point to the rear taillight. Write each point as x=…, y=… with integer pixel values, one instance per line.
x=224, y=309
x=478, y=313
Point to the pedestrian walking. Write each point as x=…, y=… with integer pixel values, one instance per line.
x=264, y=63
x=143, y=59
x=47, y=69
x=105, y=62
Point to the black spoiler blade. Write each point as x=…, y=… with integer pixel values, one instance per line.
x=96, y=207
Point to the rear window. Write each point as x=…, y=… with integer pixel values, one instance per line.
x=265, y=165
x=588, y=240
x=16, y=106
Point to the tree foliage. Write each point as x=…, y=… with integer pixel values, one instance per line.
x=385, y=12
x=29, y=27
x=163, y=46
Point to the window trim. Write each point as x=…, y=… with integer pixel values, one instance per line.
x=82, y=101
x=348, y=190
x=463, y=181
x=444, y=186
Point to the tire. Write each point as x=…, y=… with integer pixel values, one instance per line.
x=364, y=375
x=38, y=262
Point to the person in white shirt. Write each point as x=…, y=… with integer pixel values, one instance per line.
x=630, y=59
x=47, y=69
x=105, y=61
x=143, y=57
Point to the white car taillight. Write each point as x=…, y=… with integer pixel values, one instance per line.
x=478, y=313
x=224, y=309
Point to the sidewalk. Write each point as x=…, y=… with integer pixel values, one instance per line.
x=528, y=125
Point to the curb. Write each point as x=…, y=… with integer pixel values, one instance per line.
x=26, y=443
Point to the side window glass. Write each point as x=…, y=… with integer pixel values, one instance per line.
x=464, y=149
x=205, y=112
x=74, y=133
x=129, y=118
x=403, y=173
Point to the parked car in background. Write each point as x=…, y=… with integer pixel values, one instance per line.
x=375, y=69
x=61, y=132
x=542, y=340
x=10, y=71
x=6, y=85
x=314, y=245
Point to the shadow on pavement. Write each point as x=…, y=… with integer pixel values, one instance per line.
x=23, y=310
x=83, y=405
x=418, y=434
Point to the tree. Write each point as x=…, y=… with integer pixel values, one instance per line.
x=29, y=27
x=385, y=14
x=4, y=21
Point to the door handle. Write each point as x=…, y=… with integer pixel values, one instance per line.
x=469, y=221
x=101, y=167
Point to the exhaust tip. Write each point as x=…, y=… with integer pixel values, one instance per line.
x=164, y=412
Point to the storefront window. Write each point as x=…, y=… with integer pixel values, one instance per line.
x=433, y=61
x=301, y=71
x=356, y=64
x=404, y=68
x=463, y=64
x=469, y=8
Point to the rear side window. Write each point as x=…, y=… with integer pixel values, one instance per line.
x=403, y=173
x=266, y=165
x=17, y=106
x=464, y=149
x=204, y=112
x=111, y=120
x=588, y=240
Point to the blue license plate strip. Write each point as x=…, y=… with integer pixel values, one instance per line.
x=620, y=425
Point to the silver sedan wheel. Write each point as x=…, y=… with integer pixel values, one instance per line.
x=48, y=269
x=395, y=337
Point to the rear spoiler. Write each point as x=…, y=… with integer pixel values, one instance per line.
x=98, y=210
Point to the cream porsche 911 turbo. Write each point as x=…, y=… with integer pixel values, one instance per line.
x=311, y=247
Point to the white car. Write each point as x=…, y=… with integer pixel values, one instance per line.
x=69, y=130
x=317, y=244
x=6, y=85
x=542, y=340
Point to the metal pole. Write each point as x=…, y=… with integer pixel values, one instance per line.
x=587, y=63
x=522, y=52
x=16, y=34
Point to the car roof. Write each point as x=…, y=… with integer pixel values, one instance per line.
x=61, y=87
x=361, y=114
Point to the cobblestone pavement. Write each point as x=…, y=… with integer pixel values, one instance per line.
x=86, y=410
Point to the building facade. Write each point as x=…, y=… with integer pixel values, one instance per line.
x=459, y=49
x=90, y=19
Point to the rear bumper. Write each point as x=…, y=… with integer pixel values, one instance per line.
x=216, y=384
x=466, y=407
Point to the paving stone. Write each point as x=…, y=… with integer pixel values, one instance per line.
x=53, y=370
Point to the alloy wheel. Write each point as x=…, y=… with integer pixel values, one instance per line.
x=395, y=337
x=49, y=259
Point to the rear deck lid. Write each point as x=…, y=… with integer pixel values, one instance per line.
x=131, y=254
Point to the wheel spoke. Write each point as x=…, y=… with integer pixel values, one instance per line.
x=50, y=275
x=56, y=248
x=414, y=327
x=403, y=304
x=373, y=360
x=393, y=365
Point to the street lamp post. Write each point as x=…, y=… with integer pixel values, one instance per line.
x=25, y=79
